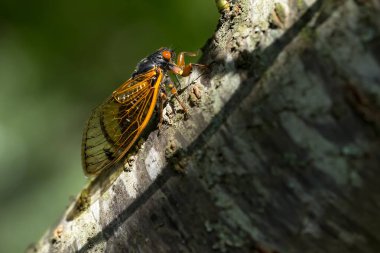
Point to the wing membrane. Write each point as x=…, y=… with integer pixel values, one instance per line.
x=115, y=125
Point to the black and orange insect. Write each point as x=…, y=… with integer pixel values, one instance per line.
x=115, y=126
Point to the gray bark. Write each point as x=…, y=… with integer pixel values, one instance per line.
x=281, y=153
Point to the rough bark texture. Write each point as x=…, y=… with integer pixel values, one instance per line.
x=281, y=153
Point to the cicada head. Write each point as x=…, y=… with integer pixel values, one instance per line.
x=163, y=58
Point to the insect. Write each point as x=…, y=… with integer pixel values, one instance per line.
x=117, y=124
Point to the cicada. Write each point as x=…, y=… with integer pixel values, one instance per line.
x=115, y=126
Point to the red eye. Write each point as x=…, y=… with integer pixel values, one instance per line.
x=167, y=55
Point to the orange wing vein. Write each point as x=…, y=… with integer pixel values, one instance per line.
x=115, y=125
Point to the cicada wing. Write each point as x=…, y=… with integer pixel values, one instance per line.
x=98, y=149
x=115, y=125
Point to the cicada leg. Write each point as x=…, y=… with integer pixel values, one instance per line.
x=182, y=69
x=187, y=68
x=163, y=98
x=173, y=91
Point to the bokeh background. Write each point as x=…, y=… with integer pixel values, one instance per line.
x=58, y=60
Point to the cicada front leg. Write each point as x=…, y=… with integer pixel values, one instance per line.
x=187, y=68
x=184, y=70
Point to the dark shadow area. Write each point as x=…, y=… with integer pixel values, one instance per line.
x=265, y=60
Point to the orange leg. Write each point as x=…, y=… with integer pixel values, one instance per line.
x=186, y=68
x=173, y=91
x=181, y=57
x=163, y=98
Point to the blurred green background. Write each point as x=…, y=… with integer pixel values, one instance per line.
x=58, y=60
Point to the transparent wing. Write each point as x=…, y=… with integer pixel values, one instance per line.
x=115, y=125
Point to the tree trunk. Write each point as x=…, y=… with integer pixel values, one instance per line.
x=281, y=153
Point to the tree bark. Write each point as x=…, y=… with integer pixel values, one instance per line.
x=281, y=153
